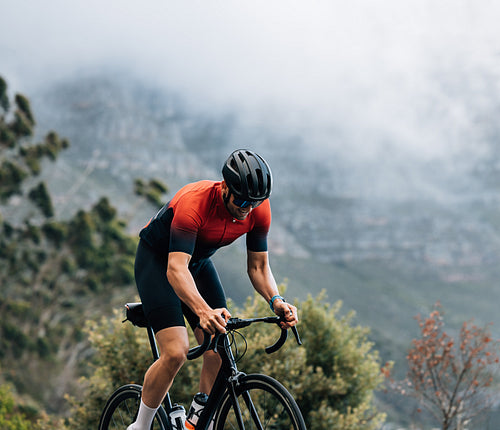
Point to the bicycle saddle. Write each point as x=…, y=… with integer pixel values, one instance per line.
x=135, y=314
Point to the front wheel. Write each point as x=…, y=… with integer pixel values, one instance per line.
x=122, y=407
x=261, y=403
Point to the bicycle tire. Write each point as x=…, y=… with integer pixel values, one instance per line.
x=122, y=407
x=274, y=406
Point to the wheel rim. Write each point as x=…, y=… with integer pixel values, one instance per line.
x=124, y=412
x=261, y=408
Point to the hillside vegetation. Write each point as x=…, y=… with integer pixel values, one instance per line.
x=67, y=250
x=59, y=276
x=332, y=377
x=55, y=274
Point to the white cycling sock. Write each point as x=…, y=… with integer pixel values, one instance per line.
x=144, y=418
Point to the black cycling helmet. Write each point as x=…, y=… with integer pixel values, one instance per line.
x=247, y=175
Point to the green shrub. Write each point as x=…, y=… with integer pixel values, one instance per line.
x=104, y=210
x=55, y=232
x=4, y=98
x=121, y=356
x=21, y=125
x=332, y=376
x=7, y=137
x=23, y=105
x=152, y=191
x=41, y=198
x=11, y=177
x=10, y=417
x=17, y=416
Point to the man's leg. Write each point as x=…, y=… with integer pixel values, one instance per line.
x=163, y=310
x=210, y=287
x=173, y=344
x=210, y=367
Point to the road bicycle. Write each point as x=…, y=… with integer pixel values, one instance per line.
x=236, y=401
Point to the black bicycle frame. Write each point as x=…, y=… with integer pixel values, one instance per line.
x=227, y=377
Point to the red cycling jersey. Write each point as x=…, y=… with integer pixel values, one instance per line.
x=197, y=222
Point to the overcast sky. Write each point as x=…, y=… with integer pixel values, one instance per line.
x=393, y=68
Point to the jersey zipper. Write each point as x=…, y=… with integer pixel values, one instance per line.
x=223, y=232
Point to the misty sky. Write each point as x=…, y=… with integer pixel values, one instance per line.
x=415, y=74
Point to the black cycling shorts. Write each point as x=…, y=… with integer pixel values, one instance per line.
x=162, y=306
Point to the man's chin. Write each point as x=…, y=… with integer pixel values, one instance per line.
x=236, y=214
x=240, y=216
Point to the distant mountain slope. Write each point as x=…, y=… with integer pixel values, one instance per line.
x=439, y=224
x=389, y=235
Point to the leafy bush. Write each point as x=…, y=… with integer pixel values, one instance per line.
x=152, y=191
x=11, y=177
x=55, y=232
x=15, y=416
x=452, y=376
x=10, y=417
x=55, y=266
x=41, y=198
x=332, y=376
x=4, y=98
x=121, y=356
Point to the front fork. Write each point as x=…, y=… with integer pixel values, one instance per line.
x=227, y=380
x=233, y=381
x=236, y=405
x=233, y=384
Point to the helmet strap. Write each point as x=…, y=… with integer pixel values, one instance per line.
x=227, y=197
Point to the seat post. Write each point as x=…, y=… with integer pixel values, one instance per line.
x=152, y=342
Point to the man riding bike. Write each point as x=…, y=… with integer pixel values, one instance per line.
x=176, y=278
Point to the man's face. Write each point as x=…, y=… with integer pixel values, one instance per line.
x=235, y=211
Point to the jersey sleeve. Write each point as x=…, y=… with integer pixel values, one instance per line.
x=256, y=239
x=184, y=228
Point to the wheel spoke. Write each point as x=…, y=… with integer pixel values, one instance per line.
x=121, y=410
x=253, y=411
x=264, y=404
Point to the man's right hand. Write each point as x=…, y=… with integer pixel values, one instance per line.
x=215, y=320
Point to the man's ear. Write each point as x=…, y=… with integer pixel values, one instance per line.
x=225, y=192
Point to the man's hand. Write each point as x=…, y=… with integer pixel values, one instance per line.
x=214, y=320
x=287, y=311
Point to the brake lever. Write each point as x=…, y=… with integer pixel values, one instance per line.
x=296, y=334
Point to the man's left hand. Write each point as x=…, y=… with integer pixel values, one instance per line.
x=287, y=311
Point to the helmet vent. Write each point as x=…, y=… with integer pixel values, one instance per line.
x=247, y=175
x=260, y=178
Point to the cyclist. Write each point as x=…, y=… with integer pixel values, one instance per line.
x=175, y=276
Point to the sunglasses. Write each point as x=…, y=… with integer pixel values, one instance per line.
x=245, y=203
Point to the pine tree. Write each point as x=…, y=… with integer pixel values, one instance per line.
x=51, y=270
x=20, y=157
